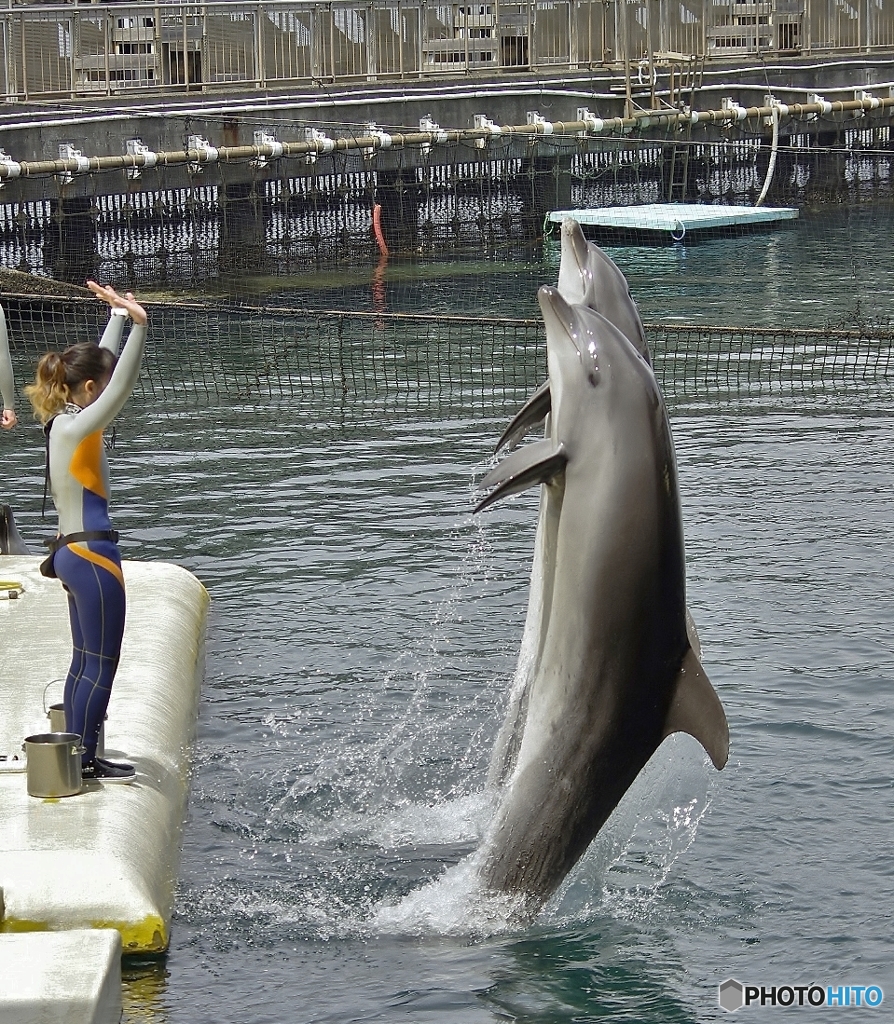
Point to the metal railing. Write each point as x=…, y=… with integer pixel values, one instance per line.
x=67, y=50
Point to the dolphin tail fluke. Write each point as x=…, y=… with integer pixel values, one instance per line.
x=10, y=541
x=534, y=411
x=696, y=709
x=534, y=464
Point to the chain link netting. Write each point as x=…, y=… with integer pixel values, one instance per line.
x=253, y=352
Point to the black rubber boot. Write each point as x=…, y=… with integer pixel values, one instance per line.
x=106, y=771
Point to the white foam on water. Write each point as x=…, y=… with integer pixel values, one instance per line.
x=451, y=904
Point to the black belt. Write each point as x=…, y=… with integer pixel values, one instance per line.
x=69, y=538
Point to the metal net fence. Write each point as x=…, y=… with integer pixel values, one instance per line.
x=247, y=353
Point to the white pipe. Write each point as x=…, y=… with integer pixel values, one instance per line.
x=376, y=139
x=771, y=166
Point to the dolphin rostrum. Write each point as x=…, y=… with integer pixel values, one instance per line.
x=588, y=277
x=611, y=668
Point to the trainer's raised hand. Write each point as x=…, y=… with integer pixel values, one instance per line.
x=108, y=294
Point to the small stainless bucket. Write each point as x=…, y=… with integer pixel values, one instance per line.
x=56, y=715
x=54, y=764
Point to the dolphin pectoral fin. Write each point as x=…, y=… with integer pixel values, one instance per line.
x=534, y=464
x=696, y=709
x=518, y=463
x=535, y=410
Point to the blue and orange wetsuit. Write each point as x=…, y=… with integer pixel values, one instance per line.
x=90, y=570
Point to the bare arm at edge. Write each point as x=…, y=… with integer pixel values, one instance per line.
x=7, y=384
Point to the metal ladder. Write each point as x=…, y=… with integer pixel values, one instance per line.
x=691, y=77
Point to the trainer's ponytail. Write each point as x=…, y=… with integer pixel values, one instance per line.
x=61, y=373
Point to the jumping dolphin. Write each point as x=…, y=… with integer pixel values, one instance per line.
x=612, y=670
x=587, y=276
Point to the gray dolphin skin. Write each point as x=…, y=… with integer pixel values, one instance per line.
x=607, y=668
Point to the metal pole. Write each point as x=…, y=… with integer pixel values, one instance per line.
x=204, y=50
x=331, y=16
x=499, y=39
x=72, y=28
x=420, y=36
x=621, y=35
x=316, y=56
x=107, y=43
x=24, y=57
x=400, y=39
x=7, y=58
x=705, y=9
x=156, y=45
x=185, y=11
x=260, y=55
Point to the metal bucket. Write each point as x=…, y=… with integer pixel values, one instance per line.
x=56, y=715
x=54, y=764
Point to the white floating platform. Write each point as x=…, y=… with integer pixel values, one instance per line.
x=673, y=221
x=61, y=978
x=109, y=856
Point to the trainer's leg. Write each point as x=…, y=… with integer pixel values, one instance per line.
x=76, y=668
x=96, y=586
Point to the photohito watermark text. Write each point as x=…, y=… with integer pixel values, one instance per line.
x=733, y=995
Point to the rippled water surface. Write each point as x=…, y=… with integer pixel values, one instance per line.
x=364, y=627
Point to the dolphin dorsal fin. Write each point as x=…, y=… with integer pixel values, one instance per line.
x=10, y=541
x=695, y=708
x=536, y=463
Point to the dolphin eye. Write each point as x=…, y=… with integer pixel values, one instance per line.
x=593, y=376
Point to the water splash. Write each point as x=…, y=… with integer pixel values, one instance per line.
x=623, y=874
x=451, y=904
x=626, y=871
